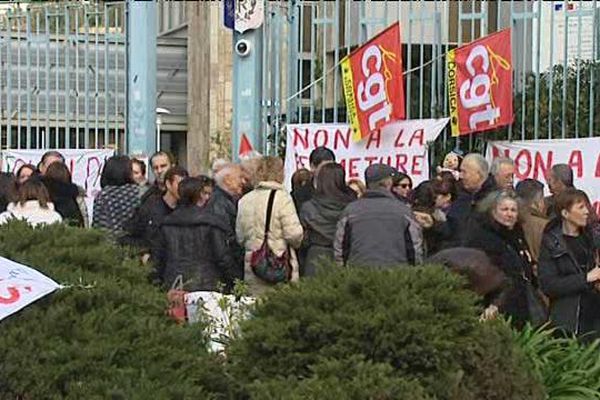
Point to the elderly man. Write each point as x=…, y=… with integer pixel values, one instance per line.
x=223, y=203
x=559, y=178
x=503, y=173
x=475, y=185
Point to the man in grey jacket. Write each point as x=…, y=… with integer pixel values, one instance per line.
x=374, y=230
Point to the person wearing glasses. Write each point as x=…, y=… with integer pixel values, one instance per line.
x=402, y=187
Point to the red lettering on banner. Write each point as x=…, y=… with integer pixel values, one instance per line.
x=298, y=138
x=375, y=137
x=386, y=160
x=398, y=143
x=89, y=171
x=597, y=174
x=352, y=167
x=523, y=158
x=370, y=159
x=540, y=169
x=401, y=160
x=71, y=166
x=496, y=152
x=596, y=207
x=416, y=164
x=13, y=296
x=576, y=163
x=323, y=133
x=301, y=161
x=343, y=137
x=419, y=135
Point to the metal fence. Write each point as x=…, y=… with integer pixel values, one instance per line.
x=555, y=61
x=63, y=76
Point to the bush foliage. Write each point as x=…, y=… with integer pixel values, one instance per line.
x=109, y=341
x=408, y=333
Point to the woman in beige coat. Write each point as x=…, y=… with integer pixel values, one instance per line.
x=285, y=230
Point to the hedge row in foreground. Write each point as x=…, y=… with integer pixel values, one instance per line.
x=352, y=334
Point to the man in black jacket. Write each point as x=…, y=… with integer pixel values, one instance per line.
x=229, y=188
x=194, y=244
x=160, y=162
x=475, y=185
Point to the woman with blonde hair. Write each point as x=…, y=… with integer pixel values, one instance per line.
x=284, y=233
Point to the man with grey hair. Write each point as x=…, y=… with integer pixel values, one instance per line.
x=503, y=172
x=475, y=185
x=229, y=188
x=559, y=178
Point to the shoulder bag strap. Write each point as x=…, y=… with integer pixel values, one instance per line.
x=269, y=212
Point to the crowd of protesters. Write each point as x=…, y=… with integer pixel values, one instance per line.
x=532, y=258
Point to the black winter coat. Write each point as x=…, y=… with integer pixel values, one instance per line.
x=143, y=230
x=194, y=244
x=223, y=205
x=565, y=282
x=64, y=196
x=507, y=249
x=462, y=214
x=319, y=217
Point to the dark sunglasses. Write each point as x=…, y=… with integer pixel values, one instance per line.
x=405, y=186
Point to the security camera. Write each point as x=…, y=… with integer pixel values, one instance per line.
x=242, y=47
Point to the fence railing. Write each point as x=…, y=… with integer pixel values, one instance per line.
x=555, y=61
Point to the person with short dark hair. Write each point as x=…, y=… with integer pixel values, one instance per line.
x=319, y=216
x=139, y=172
x=318, y=157
x=559, y=178
x=533, y=217
x=25, y=172
x=118, y=199
x=32, y=205
x=160, y=162
x=568, y=268
x=194, y=244
x=375, y=229
x=63, y=193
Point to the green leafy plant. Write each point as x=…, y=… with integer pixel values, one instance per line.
x=419, y=324
x=110, y=340
x=569, y=369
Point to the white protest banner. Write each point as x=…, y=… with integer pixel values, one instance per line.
x=534, y=158
x=401, y=144
x=85, y=166
x=20, y=286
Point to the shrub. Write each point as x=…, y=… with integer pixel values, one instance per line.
x=415, y=331
x=109, y=341
x=569, y=369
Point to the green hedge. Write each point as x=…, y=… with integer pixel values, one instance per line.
x=110, y=341
x=414, y=330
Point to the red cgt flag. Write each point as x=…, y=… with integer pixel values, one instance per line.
x=373, y=87
x=480, y=84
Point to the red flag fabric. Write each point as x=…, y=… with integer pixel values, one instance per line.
x=480, y=84
x=373, y=86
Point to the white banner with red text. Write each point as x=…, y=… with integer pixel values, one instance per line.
x=534, y=158
x=402, y=145
x=20, y=286
x=85, y=166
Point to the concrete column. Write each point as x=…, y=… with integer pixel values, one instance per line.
x=247, y=89
x=141, y=77
x=199, y=77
